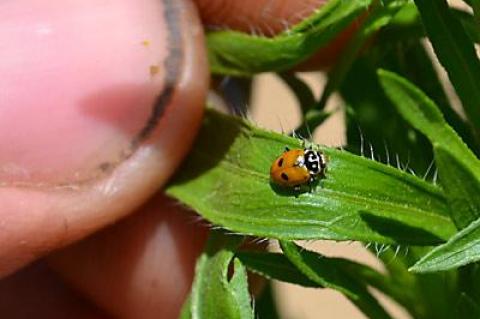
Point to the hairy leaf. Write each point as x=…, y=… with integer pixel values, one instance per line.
x=373, y=120
x=241, y=54
x=185, y=312
x=459, y=169
x=214, y=294
x=226, y=179
x=461, y=249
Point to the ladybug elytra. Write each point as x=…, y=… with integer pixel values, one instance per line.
x=297, y=167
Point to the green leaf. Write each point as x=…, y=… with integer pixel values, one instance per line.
x=226, y=179
x=412, y=61
x=425, y=296
x=185, y=312
x=265, y=305
x=476, y=10
x=455, y=52
x=383, y=283
x=459, y=169
x=312, y=119
x=214, y=294
x=303, y=93
x=463, y=248
x=306, y=100
x=407, y=26
x=324, y=271
x=239, y=287
x=468, y=308
x=469, y=23
x=241, y=54
x=462, y=184
x=277, y=266
x=373, y=120
x=379, y=16
x=274, y=266
x=382, y=126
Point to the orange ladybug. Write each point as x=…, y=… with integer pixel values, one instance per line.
x=297, y=167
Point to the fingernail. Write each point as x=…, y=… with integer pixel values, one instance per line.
x=80, y=84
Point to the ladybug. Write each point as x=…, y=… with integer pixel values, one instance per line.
x=297, y=167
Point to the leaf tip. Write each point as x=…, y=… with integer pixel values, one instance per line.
x=385, y=74
x=382, y=72
x=416, y=269
x=425, y=266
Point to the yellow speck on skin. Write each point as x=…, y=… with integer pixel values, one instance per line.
x=154, y=69
x=145, y=43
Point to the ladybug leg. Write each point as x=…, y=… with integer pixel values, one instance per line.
x=297, y=188
x=310, y=184
x=286, y=149
x=323, y=161
x=322, y=172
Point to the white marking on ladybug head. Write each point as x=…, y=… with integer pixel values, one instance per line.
x=300, y=161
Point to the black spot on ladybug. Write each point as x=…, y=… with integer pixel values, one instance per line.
x=284, y=176
x=280, y=162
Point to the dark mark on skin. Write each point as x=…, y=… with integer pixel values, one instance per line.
x=154, y=69
x=171, y=65
x=105, y=167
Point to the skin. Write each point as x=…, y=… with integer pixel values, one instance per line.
x=85, y=231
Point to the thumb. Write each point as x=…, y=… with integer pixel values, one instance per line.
x=99, y=102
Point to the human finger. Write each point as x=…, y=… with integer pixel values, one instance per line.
x=100, y=102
